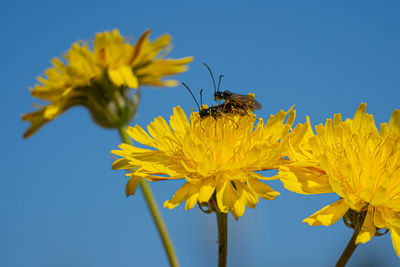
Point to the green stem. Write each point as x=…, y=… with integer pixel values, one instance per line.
x=155, y=211
x=222, y=238
x=351, y=246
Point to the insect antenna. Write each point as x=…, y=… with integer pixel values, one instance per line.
x=201, y=98
x=212, y=76
x=191, y=94
x=219, y=82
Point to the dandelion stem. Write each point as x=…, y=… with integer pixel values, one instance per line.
x=222, y=238
x=155, y=211
x=351, y=246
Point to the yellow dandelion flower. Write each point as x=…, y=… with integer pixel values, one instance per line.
x=99, y=79
x=218, y=158
x=354, y=160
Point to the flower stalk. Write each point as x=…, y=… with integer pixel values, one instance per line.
x=154, y=210
x=222, y=221
x=352, y=245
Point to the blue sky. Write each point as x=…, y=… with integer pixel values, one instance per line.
x=62, y=205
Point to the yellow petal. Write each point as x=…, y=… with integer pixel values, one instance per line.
x=391, y=217
x=179, y=196
x=329, y=214
x=379, y=221
x=159, y=129
x=207, y=189
x=170, y=83
x=192, y=198
x=226, y=196
x=238, y=209
x=305, y=179
x=123, y=76
x=37, y=120
x=179, y=121
x=239, y=205
x=395, y=234
x=368, y=228
x=278, y=118
x=261, y=189
x=248, y=196
x=52, y=111
x=138, y=134
x=394, y=122
x=131, y=185
x=121, y=164
x=359, y=116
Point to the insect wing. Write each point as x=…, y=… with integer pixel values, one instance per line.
x=246, y=100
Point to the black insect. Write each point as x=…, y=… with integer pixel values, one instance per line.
x=238, y=101
x=213, y=111
x=224, y=108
